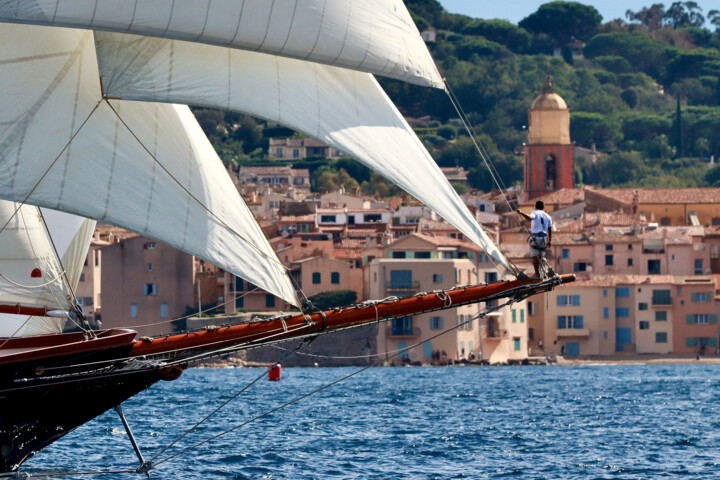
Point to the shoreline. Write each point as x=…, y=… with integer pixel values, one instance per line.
x=530, y=361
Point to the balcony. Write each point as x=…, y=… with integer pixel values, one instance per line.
x=495, y=333
x=573, y=332
x=402, y=332
x=407, y=286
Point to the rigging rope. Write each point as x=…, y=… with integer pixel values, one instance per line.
x=271, y=258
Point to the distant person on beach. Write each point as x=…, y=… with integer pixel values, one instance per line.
x=702, y=349
x=562, y=349
x=540, y=345
x=540, y=233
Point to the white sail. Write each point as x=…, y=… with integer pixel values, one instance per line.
x=376, y=36
x=71, y=236
x=146, y=167
x=348, y=110
x=30, y=274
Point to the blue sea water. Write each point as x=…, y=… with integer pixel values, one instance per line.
x=554, y=422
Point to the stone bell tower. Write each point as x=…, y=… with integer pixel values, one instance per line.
x=549, y=162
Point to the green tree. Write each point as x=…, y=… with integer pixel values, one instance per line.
x=620, y=168
x=642, y=52
x=500, y=31
x=684, y=14
x=563, y=21
x=329, y=179
x=588, y=128
x=332, y=299
x=378, y=185
x=650, y=18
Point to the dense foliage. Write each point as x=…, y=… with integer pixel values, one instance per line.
x=621, y=79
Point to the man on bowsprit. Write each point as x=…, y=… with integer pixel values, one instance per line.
x=540, y=233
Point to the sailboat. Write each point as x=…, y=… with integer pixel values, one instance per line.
x=94, y=123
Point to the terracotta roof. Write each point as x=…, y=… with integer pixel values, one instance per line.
x=564, y=196
x=352, y=243
x=664, y=195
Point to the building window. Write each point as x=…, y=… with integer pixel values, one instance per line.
x=570, y=321
x=606, y=312
x=660, y=337
x=653, y=267
x=608, y=260
x=661, y=315
x=531, y=334
x=700, y=319
x=437, y=323
x=296, y=153
x=278, y=152
x=491, y=277
x=605, y=334
x=565, y=253
x=163, y=310
x=149, y=267
x=516, y=343
x=335, y=278
x=622, y=292
x=608, y=248
x=133, y=310
x=514, y=315
x=239, y=302
x=644, y=325
x=437, y=278
x=630, y=262
x=422, y=254
x=698, y=266
x=642, y=306
x=532, y=308
x=580, y=267
x=563, y=300
x=402, y=326
x=694, y=342
x=398, y=254
x=316, y=278
x=328, y=218
x=661, y=297
x=269, y=300
x=149, y=245
x=150, y=289
x=372, y=218
x=522, y=316
x=622, y=312
x=604, y=292
x=82, y=277
x=700, y=297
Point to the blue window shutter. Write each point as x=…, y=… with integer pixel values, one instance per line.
x=579, y=321
x=522, y=316
x=514, y=316
x=576, y=300
x=561, y=319
x=694, y=297
x=606, y=312
x=713, y=318
x=690, y=342
x=689, y=318
x=442, y=323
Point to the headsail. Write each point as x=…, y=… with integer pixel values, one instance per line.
x=346, y=109
x=376, y=36
x=145, y=167
x=30, y=274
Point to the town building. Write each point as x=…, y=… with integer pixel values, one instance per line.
x=298, y=178
x=297, y=148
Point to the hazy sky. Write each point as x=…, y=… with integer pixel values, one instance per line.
x=516, y=10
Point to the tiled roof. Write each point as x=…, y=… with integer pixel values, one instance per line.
x=664, y=195
x=352, y=243
x=564, y=196
x=298, y=218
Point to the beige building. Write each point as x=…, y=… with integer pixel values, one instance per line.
x=145, y=282
x=419, y=263
x=89, y=287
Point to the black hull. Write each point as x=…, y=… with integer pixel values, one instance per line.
x=36, y=410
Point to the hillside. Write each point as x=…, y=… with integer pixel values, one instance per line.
x=645, y=93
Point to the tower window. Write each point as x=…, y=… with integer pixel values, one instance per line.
x=550, y=173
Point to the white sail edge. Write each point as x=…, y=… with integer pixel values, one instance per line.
x=374, y=36
x=176, y=191
x=348, y=110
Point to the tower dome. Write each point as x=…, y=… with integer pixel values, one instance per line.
x=549, y=117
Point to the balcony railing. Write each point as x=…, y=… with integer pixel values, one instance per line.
x=402, y=332
x=411, y=286
x=495, y=333
x=573, y=332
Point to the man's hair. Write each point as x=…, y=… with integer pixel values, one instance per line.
x=539, y=205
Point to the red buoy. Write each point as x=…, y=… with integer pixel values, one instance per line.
x=275, y=374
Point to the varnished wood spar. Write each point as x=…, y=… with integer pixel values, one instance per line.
x=296, y=325
x=20, y=310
